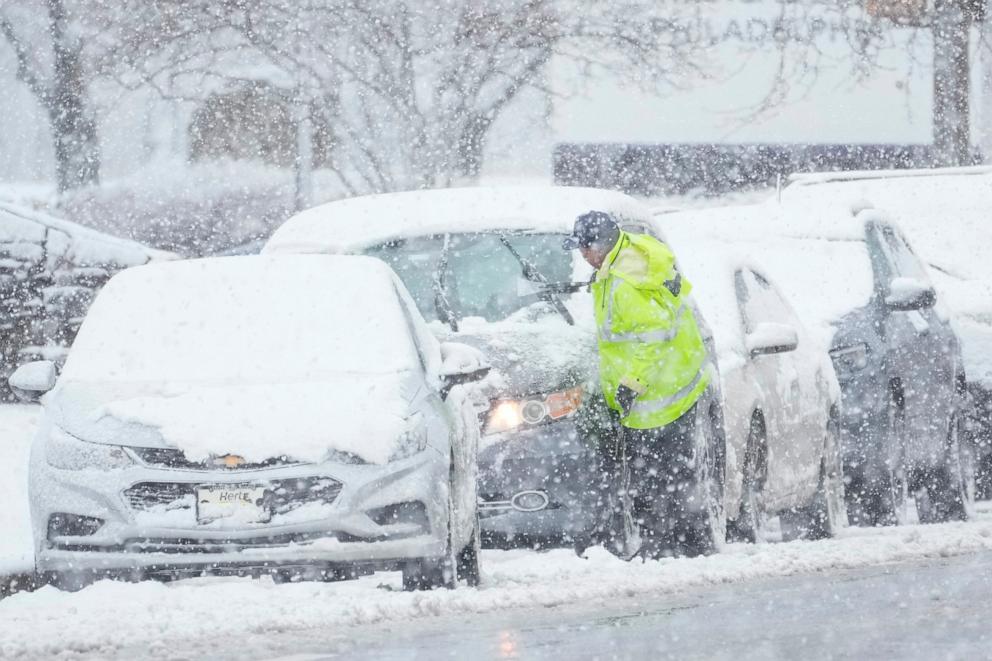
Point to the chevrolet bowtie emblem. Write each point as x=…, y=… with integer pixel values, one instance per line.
x=229, y=461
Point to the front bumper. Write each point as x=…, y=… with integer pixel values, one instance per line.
x=357, y=526
x=551, y=460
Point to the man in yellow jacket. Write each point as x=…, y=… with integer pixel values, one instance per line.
x=653, y=371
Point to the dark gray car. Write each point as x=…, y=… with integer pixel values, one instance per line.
x=902, y=381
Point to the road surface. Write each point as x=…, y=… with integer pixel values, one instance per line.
x=920, y=610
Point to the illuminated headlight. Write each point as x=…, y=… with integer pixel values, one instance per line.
x=850, y=359
x=509, y=414
x=67, y=452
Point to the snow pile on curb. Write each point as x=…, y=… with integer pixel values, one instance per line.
x=17, y=425
x=149, y=612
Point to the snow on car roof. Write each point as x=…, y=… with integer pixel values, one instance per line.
x=709, y=265
x=935, y=212
x=87, y=246
x=800, y=258
x=356, y=223
x=815, y=178
x=945, y=214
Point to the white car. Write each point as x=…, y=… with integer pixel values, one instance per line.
x=780, y=396
x=284, y=415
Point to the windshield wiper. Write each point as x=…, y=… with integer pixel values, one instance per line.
x=533, y=274
x=439, y=284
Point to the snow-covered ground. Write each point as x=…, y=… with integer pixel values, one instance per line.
x=109, y=616
x=148, y=615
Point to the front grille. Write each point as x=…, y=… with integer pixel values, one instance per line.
x=176, y=459
x=195, y=545
x=281, y=497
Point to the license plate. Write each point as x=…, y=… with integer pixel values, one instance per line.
x=234, y=504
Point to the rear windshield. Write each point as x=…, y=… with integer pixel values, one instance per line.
x=245, y=320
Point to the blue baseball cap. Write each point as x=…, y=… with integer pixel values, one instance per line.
x=594, y=227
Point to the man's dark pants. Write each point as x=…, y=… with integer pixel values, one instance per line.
x=660, y=479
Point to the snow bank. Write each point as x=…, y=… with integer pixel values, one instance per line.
x=17, y=427
x=150, y=615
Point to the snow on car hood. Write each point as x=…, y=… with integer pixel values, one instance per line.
x=365, y=416
x=532, y=357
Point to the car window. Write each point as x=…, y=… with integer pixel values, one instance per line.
x=760, y=302
x=481, y=277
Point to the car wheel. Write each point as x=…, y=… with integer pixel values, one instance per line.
x=943, y=496
x=878, y=495
x=750, y=518
x=703, y=528
x=467, y=567
x=825, y=513
x=444, y=572
x=281, y=576
x=69, y=581
x=983, y=478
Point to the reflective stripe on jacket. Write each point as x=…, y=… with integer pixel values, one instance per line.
x=648, y=337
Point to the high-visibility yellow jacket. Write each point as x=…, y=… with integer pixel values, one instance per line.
x=648, y=337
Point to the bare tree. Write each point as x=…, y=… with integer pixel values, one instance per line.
x=947, y=24
x=411, y=90
x=51, y=62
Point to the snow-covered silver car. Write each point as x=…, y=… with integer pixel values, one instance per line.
x=486, y=267
x=283, y=415
x=781, y=399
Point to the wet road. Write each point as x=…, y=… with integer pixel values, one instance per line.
x=922, y=610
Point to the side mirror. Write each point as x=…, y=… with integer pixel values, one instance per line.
x=768, y=338
x=32, y=380
x=461, y=364
x=906, y=294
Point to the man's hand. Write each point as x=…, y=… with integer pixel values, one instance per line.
x=625, y=399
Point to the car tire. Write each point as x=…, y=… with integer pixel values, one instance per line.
x=467, y=562
x=702, y=529
x=880, y=497
x=983, y=478
x=825, y=514
x=750, y=518
x=69, y=581
x=943, y=496
x=445, y=572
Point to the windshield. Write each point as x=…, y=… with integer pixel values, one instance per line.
x=245, y=320
x=481, y=276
